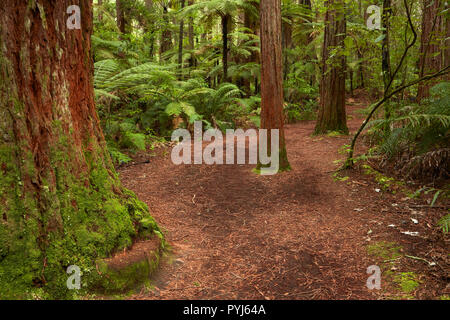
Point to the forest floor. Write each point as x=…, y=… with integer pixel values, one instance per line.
x=302, y=234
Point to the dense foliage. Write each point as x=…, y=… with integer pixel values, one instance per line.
x=175, y=62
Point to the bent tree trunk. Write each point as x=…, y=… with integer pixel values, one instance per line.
x=332, y=115
x=61, y=202
x=272, y=98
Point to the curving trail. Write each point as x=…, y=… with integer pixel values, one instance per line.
x=237, y=235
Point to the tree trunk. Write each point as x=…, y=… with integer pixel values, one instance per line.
x=251, y=23
x=361, y=68
x=272, y=100
x=225, y=26
x=306, y=40
x=120, y=13
x=434, y=33
x=150, y=28
x=180, y=42
x=166, y=36
x=386, y=56
x=100, y=15
x=192, y=60
x=332, y=114
x=61, y=201
x=286, y=43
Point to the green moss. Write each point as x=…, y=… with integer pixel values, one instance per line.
x=384, y=250
x=79, y=219
x=386, y=183
x=407, y=281
x=113, y=281
x=334, y=134
x=42, y=15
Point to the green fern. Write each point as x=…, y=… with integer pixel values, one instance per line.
x=444, y=223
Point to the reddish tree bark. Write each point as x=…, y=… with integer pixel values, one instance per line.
x=332, y=114
x=61, y=202
x=272, y=100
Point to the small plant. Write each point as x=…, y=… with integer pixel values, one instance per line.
x=444, y=223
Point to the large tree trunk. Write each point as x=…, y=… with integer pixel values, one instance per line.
x=61, y=202
x=272, y=99
x=332, y=114
x=434, y=33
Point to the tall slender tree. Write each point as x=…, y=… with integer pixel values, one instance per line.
x=149, y=28
x=225, y=9
x=181, y=40
x=120, y=16
x=166, y=34
x=251, y=22
x=272, y=99
x=100, y=15
x=191, y=36
x=332, y=114
x=386, y=56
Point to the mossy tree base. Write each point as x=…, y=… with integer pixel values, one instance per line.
x=127, y=271
x=61, y=202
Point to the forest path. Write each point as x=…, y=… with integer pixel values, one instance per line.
x=238, y=235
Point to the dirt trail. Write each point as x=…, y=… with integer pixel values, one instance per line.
x=237, y=235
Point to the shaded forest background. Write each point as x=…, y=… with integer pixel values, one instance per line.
x=165, y=64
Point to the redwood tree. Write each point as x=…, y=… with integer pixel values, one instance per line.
x=432, y=49
x=61, y=202
x=272, y=99
x=332, y=115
